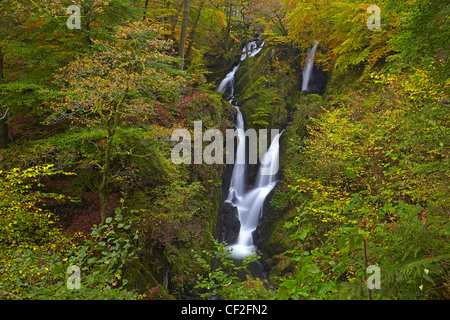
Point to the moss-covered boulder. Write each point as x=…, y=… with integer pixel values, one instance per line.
x=267, y=87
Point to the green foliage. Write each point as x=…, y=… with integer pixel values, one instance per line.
x=22, y=218
x=366, y=184
x=101, y=259
x=36, y=253
x=137, y=151
x=340, y=26
x=208, y=108
x=224, y=279
x=265, y=105
x=365, y=168
x=180, y=220
x=39, y=271
x=423, y=38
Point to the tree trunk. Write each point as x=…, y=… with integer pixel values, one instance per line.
x=194, y=29
x=105, y=177
x=183, y=35
x=112, y=124
x=228, y=29
x=145, y=10
x=247, y=60
x=88, y=25
x=4, y=130
x=3, y=116
x=174, y=20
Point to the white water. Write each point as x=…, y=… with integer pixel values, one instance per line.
x=237, y=185
x=250, y=205
x=251, y=50
x=309, y=63
x=249, y=202
x=227, y=84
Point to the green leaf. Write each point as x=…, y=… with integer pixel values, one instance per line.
x=289, y=284
x=324, y=287
x=288, y=225
x=313, y=268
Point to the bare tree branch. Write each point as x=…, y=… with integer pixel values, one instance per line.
x=6, y=113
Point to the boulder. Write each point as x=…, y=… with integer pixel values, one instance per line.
x=230, y=225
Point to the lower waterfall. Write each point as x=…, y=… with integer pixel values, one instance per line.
x=250, y=204
x=248, y=201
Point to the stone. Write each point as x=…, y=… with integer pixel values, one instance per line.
x=230, y=223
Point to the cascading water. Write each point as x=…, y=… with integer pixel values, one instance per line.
x=308, y=69
x=227, y=84
x=249, y=203
x=251, y=50
x=237, y=185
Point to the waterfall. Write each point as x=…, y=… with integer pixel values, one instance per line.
x=249, y=203
x=250, y=206
x=251, y=50
x=309, y=63
x=237, y=185
x=227, y=84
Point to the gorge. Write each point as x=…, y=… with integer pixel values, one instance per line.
x=244, y=200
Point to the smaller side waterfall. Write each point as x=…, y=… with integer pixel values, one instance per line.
x=309, y=63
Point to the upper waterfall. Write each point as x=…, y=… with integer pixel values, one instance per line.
x=227, y=84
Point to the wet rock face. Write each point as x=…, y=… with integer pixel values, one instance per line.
x=230, y=223
x=263, y=232
x=319, y=81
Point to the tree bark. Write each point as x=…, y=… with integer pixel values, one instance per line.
x=279, y=25
x=5, y=131
x=3, y=116
x=105, y=177
x=183, y=35
x=228, y=28
x=145, y=10
x=193, y=31
x=247, y=60
x=111, y=125
x=87, y=28
x=174, y=20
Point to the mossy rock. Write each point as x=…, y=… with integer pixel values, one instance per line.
x=258, y=66
x=140, y=276
x=266, y=90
